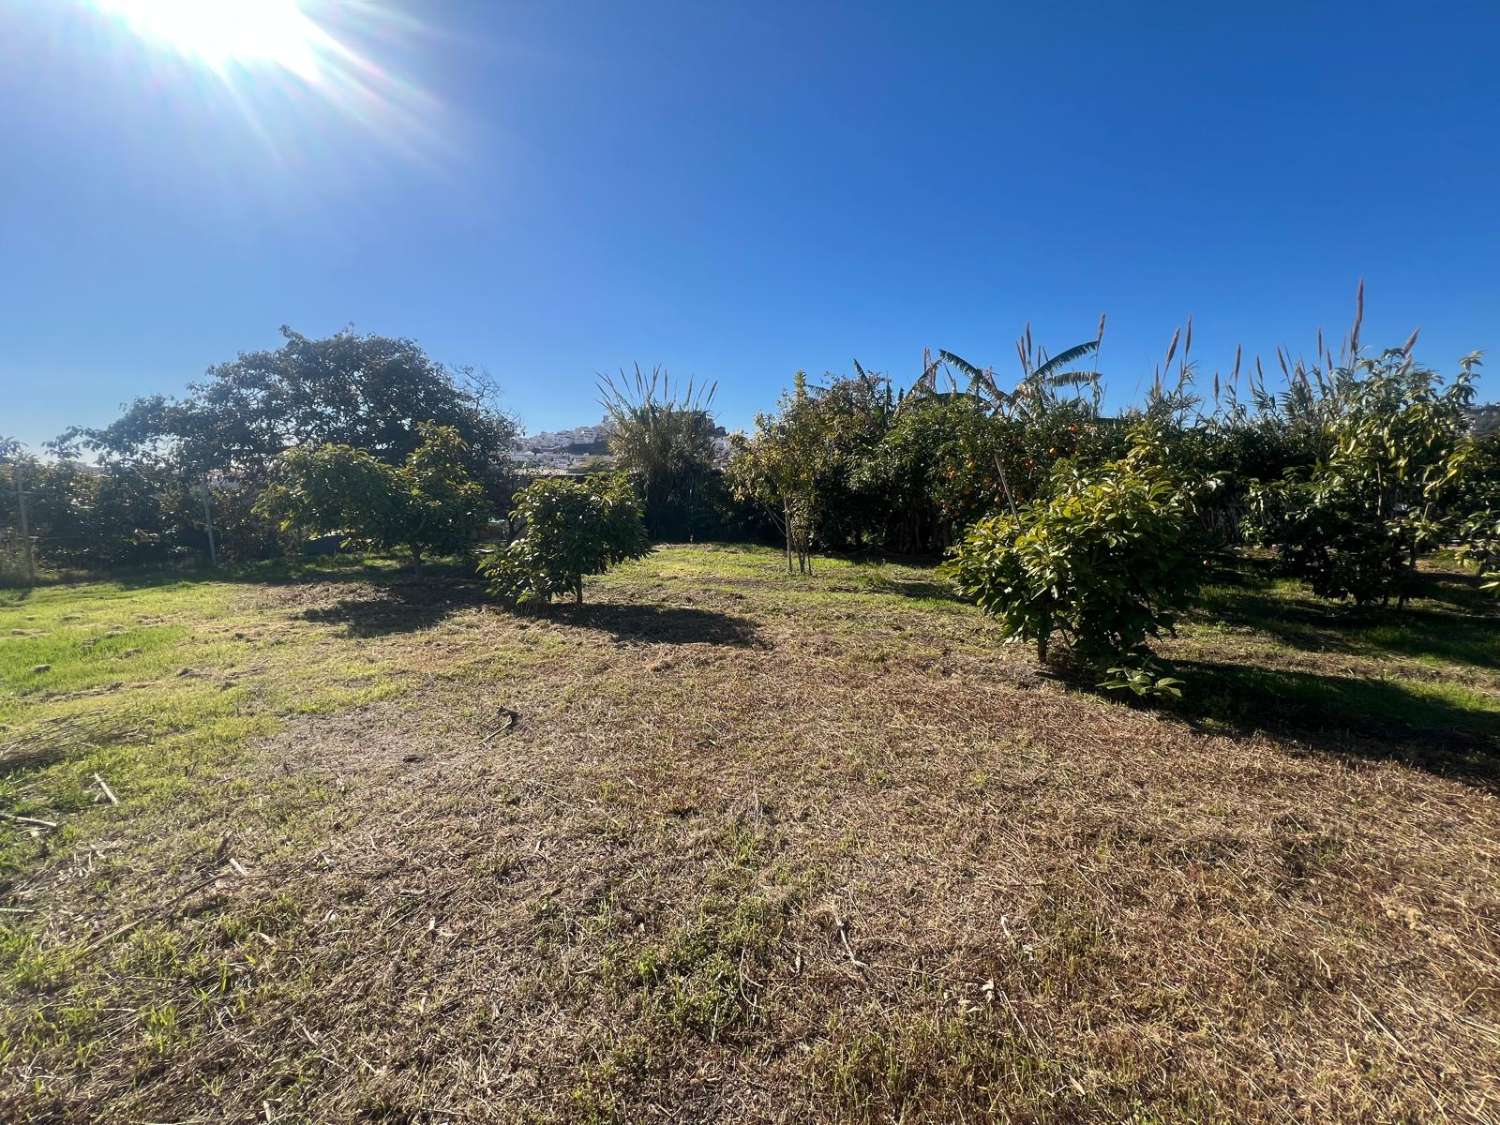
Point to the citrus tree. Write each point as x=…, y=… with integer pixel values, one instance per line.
x=566, y=529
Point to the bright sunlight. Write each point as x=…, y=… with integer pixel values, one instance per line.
x=220, y=33
x=272, y=54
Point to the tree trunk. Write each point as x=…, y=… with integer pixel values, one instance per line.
x=578, y=592
x=1041, y=648
x=416, y=561
x=786, y=513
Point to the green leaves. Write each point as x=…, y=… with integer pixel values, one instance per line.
x=1034, y=393
x=427, y=504
x=1477, y=507
x=1141, y=681
x=1388, y=488
x=1103, y=561
x=1062, y=359
x=567, y=529
x=362, y=392
x=798, y=463
x=663, y=435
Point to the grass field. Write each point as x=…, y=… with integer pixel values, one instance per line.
x=728, y=845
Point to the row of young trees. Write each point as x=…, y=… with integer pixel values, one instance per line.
x=1063, y=521
x=363, y=438
x=1060, y=519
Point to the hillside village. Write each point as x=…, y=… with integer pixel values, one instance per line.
x=583, y=447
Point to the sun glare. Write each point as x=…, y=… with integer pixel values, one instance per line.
x=269, y=54
x=225, y=33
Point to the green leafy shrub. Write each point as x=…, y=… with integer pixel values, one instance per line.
x=565, y=530
x=1398, y=456
x=1103, y=561
x=1478, y=508
x=1324, y=532
x=427, y=505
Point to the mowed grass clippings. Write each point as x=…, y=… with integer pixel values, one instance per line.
x=728, y=845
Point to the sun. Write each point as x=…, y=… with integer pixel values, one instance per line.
x=225, y=33
x=274, y=56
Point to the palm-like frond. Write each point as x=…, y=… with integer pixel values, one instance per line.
x=1073, y=379
x=981, y=381
x=961, y=363
x=928, y=380
x=1063, y=358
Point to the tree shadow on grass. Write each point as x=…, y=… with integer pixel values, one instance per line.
x=351, y=567
x=1450, y=619
x=1461, y=590
x=399, y=607
x=1376, y=719
x=1470, y=639
x=657, y=624
x=923, y=589
x=32, y=756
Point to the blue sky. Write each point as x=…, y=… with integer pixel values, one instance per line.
x=739, y=190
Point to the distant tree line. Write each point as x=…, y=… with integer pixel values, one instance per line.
x=133, y=493
x=1347, y=471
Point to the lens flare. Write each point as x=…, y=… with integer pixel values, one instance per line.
x=270, y=54
x=221, y=33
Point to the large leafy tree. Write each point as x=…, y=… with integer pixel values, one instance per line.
x=566, y=529
x=426, y=505
x=365, y=392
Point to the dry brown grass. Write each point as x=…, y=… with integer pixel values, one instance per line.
x=768, y=849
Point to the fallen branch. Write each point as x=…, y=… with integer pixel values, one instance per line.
x=31, y=820
x=108, y=792
x=844, y=937
x=511, y=719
